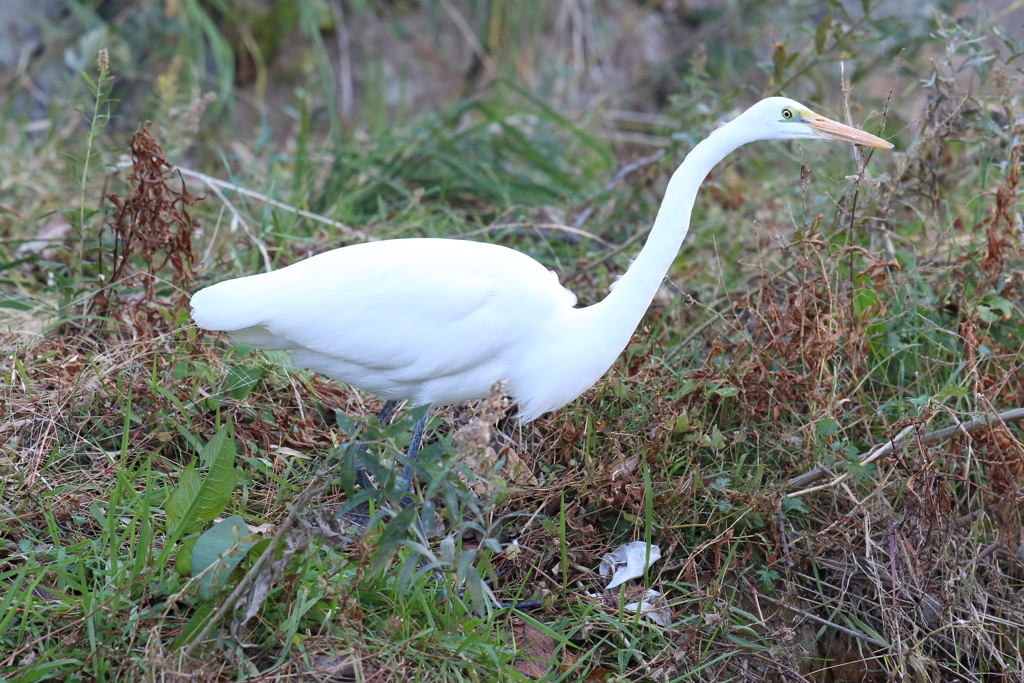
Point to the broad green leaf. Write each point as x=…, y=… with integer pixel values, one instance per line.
x=790, y=505
x=183, y=561
x=196, y=501
x=992, y=308
x=953, y=392
x=856, y=470
x=779, y=61
x=181, y=499
x=863, y=298
x=47, y=669
x=241, y=350
x=222, y=445
x=717, y=438
x=686, y=387
x=345, y=423
x=465, y=570
x=224, y=545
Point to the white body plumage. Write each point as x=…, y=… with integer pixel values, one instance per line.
x=431, y=321
x=438, y=321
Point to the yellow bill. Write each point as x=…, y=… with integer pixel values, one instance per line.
x=838, y=131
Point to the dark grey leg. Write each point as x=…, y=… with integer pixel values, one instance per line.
x=414, y=449
x=411, y=453
x=387, y=411
x=362, y=476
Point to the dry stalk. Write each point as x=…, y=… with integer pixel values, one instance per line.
x=315, y=489
x=211, y=182
x=154, y=220
x=824, y=622
x=899, y=440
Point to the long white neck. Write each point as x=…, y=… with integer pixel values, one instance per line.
x=580, y=347
x=621, y=311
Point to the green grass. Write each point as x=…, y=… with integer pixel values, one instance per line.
x=803, y=324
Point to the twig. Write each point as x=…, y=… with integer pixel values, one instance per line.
x=874, y=454
x=607, y=257
x=900, y=439
x=619, y=175
x=635, y=165
x=633, y=137
x=236, y=218
x=492, y=230
x=10, y=209
x=711, y=308
x=315, y=488
x=989, y=550
x=825, y=622
x=212, y=182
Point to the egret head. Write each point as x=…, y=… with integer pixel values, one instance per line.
x=780, y=118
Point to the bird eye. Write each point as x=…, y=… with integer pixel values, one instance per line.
x=787, y=113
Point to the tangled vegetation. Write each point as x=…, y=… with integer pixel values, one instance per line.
x=817, y=423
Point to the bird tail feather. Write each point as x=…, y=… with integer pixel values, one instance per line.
x=235, y=304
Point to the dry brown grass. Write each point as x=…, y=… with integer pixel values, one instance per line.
x=909, y=568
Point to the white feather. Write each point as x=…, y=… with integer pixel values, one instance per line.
x=437, y=321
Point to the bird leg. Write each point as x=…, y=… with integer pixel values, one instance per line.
x=415, y=441
x=387, y=411
x=362, y=476
x=414, y=450
x=361, y=513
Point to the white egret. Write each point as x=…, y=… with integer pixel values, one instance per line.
x=438, y=321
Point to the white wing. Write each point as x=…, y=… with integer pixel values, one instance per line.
x=388, y=316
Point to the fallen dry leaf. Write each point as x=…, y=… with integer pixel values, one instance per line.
x=535, y=650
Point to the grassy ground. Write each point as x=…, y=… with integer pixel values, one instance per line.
x=775, y=427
